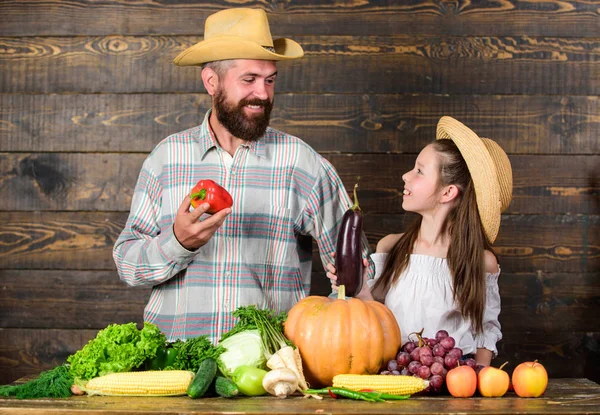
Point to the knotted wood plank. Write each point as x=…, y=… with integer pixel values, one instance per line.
x=105, y=182
x=364, y=17
x=347, y=123
x=84, y=240
x=382, y=64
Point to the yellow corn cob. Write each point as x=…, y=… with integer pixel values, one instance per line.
x=147, y=383
x=394, y=385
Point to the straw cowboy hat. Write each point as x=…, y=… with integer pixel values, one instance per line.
x=490, y=171
x=238, y=33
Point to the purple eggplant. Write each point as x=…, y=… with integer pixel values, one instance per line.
x=348, y=257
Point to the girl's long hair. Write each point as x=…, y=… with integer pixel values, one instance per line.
x=467, y=240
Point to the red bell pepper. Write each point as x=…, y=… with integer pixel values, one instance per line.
x=210, y=192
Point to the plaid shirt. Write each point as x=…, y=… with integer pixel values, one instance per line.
x=283, y=193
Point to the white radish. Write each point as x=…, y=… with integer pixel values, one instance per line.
x=289, y=358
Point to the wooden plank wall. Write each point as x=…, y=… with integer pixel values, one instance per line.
x=87, y=88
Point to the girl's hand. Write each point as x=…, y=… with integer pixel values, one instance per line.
x=332, y=277
x=365, y=291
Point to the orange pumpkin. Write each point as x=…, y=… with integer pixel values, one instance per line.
x=342, y=335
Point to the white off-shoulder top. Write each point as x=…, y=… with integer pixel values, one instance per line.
x=422, y=298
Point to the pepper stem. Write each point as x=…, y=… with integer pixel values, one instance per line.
x=355, y=206
x=198, y=195
x=341, y=292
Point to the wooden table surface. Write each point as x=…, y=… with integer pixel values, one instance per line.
x=563, y=396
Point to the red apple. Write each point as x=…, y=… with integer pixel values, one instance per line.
x=462, y=381
x=493, y=382
x=530, y=379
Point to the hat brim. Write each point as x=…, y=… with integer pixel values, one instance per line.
x=483, y=172
x=234, y=47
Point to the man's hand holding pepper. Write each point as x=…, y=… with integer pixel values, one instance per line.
x=190, y=231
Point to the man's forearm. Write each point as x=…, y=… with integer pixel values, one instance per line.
x=150, y=261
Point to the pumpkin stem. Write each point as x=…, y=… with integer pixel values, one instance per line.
x=341, y=292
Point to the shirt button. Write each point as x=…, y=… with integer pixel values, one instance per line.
x=228, y=274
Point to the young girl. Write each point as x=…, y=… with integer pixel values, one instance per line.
x=442, y=273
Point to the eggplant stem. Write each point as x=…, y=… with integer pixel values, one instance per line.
x=355, y=206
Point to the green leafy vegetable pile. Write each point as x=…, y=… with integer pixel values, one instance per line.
x=54, y=383
x=117, y=348
x=193, y=351
x=123, y=348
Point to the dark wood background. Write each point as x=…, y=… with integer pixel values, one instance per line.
x=88, y=88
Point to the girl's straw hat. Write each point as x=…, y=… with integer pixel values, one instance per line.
x=239, y=33
x=490, y=171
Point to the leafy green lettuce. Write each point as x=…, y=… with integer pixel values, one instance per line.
x=117, y=348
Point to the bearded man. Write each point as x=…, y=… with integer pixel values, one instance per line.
x=203, y=267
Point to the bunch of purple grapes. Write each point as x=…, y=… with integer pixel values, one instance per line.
x=429, y=359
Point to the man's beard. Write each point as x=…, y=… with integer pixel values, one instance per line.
x=233, y=118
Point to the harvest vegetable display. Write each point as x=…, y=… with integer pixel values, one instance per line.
x=341, y=344
x=348, y=257
x=210, y=192
x=336, y=336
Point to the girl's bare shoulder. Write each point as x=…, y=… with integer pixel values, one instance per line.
x=491, y=263
x=386, y=243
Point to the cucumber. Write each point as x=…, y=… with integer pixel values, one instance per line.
x=204, y=377
x=226, y=387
